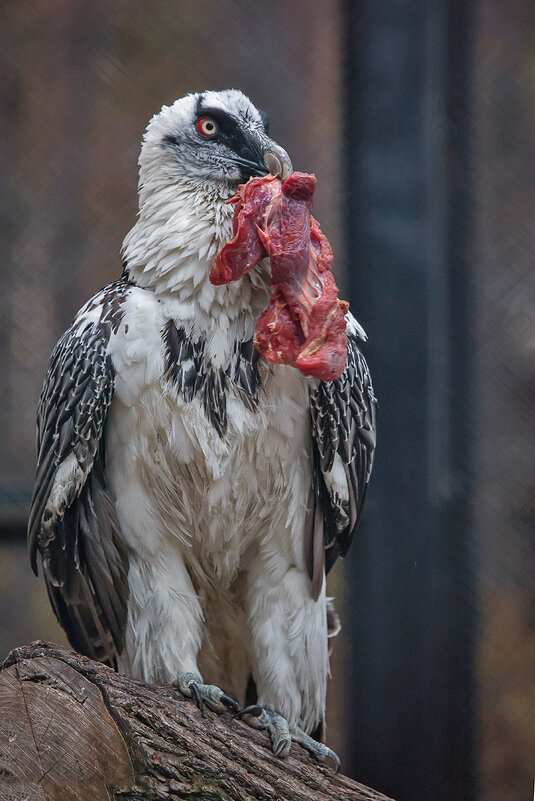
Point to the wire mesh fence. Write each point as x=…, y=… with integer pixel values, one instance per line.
x=504, y=165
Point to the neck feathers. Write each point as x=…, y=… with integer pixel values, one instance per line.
x=171, y=248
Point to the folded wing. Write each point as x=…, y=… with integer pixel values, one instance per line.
x=73, y=523
x=344, y=432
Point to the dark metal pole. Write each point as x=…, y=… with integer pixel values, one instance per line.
x=410, y=704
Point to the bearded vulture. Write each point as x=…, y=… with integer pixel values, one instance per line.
x=190, y=497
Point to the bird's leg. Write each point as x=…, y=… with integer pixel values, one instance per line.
x=191, y=685
x=174, y=603
x=282, y=734
x=288, y=642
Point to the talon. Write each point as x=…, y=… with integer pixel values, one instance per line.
x=254, y=710
x=230, y=703
x=281, y=748
x=334, y=758
x=318, y=750
x=205, y=695
x=197, y=697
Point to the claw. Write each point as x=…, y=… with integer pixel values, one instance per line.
x=254, y=710
x=326, y=756
x=205, y=695
x=335, y=759
x=281, y=747
x=320, y=751
x=230, y=703
x=197, y=697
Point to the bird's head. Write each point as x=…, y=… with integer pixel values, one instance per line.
x=211, y=137
x=194, y=154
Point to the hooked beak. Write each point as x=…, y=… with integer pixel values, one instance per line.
x=277, y=161
x=261, y=156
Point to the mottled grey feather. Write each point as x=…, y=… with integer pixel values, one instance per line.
x=343, y=421
x=84, y=557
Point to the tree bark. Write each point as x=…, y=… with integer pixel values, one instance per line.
x=71, y=728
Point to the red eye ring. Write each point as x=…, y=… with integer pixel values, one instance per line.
x=207, y=127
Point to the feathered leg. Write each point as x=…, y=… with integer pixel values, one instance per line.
x=163, y=636
x=288, y=634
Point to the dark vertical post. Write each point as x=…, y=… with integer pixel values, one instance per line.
x=410, y=611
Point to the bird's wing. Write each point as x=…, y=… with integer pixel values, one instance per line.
x=73, y=522
x=343, y=428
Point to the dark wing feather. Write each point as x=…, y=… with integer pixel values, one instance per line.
x=73, y=522
x=343, y=422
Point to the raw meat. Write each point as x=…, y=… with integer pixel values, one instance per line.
x=304, y=324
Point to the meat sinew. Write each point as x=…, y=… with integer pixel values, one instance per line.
x=304, y=324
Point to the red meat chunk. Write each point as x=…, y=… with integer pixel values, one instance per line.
x=304, y=324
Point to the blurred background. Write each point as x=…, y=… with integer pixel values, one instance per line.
x=418, y=118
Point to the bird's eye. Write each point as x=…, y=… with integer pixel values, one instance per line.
x=207, y=127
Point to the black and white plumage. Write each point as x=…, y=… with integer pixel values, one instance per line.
x=189, y=496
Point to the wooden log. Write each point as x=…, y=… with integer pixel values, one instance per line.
x=71, y=728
